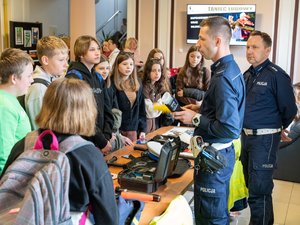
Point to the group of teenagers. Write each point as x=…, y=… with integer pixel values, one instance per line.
x=112, y=106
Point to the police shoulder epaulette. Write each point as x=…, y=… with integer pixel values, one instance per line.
x=273, y=68
x=219, y=72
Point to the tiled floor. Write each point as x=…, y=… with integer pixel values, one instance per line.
x=286, y=201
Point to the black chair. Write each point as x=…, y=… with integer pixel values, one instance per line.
x=288, y=162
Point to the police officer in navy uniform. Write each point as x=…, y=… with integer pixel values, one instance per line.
x=270, y=108
x=218, y=122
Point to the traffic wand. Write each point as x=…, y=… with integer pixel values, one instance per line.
x=137, y=195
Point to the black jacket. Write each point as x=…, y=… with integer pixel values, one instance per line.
x=105, y=118
x=133, y=118
x=194, y=93
x=90, y=181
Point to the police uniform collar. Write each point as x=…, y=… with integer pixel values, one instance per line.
x=221, y=61
x=260, y=67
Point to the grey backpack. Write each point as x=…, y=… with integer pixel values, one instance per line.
x=35, y=188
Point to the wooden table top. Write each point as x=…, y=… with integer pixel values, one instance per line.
x=168, y=191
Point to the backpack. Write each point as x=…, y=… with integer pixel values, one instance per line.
x=130, y=210
x=35, y=187
x=21, y=98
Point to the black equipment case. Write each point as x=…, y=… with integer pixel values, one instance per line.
x=145, y=174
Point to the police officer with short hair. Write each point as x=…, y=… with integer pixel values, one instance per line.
x=270, y=108
x=218, y=122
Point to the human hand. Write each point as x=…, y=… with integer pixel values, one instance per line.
x=199, y=103
x=194, y=107
x=180, y=93
x=113, y=138
x=284, y=136
x=142, y=136
x=184, y=116
x=107, y=148
x=126, y=140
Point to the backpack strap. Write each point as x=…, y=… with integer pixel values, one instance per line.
x=41, y=81
x=39, y=142
x=73, y=142
x=21, y=98
x=79, y=75
x=69, y=144
x=76, y=72
x=30, y=140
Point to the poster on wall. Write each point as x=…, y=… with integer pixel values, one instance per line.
x=18, y=35
x=24, y=35
x=35, y=35
x=27, y=38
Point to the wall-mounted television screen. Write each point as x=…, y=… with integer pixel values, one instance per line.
x=240, y=17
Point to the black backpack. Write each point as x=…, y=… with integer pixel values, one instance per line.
x=21, y=98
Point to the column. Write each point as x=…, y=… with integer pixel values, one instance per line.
x=82, y=20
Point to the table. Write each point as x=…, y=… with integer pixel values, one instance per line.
x=173, y=187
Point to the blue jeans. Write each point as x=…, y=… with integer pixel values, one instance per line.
x=211, y=192
x=259, y=154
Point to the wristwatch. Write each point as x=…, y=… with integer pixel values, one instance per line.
x=196, y=119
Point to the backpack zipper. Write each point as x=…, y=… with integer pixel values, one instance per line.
x=62, y=190
x=36, y=205
x=51, y=195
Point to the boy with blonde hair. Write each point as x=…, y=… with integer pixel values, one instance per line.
x=53, y=55
x=15, y=78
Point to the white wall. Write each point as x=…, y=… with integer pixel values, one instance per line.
x=297, y=55
x=53, y=14
x=284, y=42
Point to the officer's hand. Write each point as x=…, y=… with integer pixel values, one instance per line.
x=284, y=136
x=184, y=116
x=194, y=107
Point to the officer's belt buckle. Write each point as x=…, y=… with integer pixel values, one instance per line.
x=261, y=131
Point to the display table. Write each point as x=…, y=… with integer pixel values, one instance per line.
x=173, y=187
